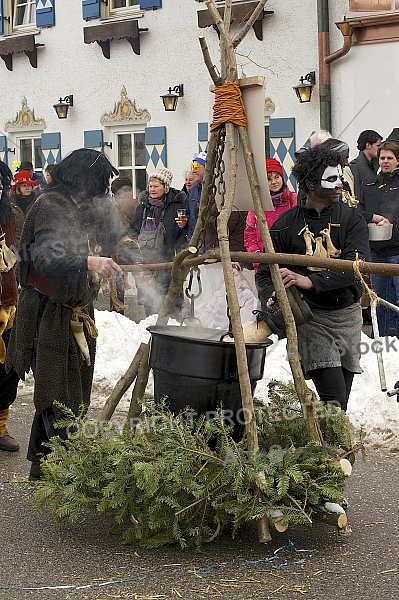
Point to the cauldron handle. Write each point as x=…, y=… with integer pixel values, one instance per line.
x=190, y=320
x=224, y=335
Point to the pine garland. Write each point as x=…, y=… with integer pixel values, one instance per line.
x=172, y=483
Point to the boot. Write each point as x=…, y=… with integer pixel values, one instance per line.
x=35, y=472
x=7, y=443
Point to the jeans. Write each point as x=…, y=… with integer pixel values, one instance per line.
x=387, y=288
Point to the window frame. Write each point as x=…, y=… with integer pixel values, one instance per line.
x=33, y=136
x=124, y=11
x=132, y=131
x=13, y=28
x=355, y=6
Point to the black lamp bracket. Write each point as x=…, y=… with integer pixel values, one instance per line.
x=309, y=77
x=177, y=90
x=109, y=144
x=67, y=100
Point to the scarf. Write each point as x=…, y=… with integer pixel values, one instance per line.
x=25, y=201
x=154, y=213
x=282, y=197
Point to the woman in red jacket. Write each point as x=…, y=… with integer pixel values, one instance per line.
x=282, y=199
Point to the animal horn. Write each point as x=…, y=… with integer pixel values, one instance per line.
x=331, y=249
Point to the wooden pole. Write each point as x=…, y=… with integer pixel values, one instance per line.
x=234, y=307
x=139, y=387
x=307, y=397
x=270, y=258
x=121, y=387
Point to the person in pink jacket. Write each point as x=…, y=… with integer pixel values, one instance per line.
x=282, y=199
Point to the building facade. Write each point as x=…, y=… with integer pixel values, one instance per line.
x=112, y=61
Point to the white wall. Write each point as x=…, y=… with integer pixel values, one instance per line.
x=170, y=55
x=365, y=84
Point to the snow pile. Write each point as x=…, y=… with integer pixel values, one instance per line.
x=369, y=407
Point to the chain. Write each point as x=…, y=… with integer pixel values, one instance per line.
x=217, y=173
x=219, y=168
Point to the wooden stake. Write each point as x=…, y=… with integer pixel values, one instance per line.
x=278, y=521
x=333, y=514
x=122, y=386
x=139, y=386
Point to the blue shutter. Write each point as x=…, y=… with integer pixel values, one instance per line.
x=93, y=138
x=45, y=13
x=51, y=148
x=282, y=145
x=3, y=148
x=1, y=18
x=202, y=137
x=155, y=148
x=150, y=4
x=91, y=9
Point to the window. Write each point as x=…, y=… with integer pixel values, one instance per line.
x=131, y=159
x=120, y=7
x=30, y=149
x=23, y=13
x=373, y=5
x=123, y=3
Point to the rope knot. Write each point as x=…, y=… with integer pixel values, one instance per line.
x=229, y=106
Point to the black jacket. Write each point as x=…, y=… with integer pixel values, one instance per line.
x=175, y=238
x=332, y=289
x=381, y=196
x=362, y=169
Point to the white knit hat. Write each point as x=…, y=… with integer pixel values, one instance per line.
x=163, y=175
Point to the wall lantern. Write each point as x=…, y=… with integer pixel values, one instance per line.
x=304, y=89
x=62, y=107
x=170, y=99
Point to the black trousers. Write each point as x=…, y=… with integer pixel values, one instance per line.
x=8, y=381
x=333, y=385
x=41, y=431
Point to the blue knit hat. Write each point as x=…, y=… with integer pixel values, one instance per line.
x=201, y=158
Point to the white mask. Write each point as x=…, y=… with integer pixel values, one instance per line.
x=332, y=177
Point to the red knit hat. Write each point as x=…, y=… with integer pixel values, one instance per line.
x=23, y=177
x=275, y=166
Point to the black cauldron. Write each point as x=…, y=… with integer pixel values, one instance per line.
x=195, y=367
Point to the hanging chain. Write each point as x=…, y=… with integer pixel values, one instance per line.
x=219, y=168
x=217, y=174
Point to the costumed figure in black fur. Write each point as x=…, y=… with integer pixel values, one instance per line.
x=59, y=269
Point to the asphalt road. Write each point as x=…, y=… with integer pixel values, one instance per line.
x=40, y=559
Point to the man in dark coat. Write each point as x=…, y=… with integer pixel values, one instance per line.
x=380, y=198
x=54, y=331
x=365, y=165
x=194, y=194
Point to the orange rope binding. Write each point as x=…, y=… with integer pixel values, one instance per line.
x=229, y=107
